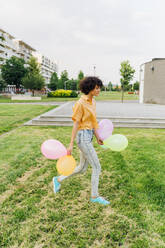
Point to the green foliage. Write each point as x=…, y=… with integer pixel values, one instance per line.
x=103, y=88
x=53, y=81
x=33, y=79
x=110, y=86
x=129, y=87
x=63, y=79
x=33, y=66
x=63, y=93
x=74, y=94
x=127, y=73
x=80, y=77
x=13, y=71
x=64, y=82
x=2, y=83
x=71, y=84
x=136, y=85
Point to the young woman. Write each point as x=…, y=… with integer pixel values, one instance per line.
x=85, y=126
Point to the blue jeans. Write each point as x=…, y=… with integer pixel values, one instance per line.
x=88, y=155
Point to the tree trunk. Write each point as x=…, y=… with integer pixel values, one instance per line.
x=32, y=92
x=122, y=97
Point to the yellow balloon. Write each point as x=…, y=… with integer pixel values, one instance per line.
x=66, y=165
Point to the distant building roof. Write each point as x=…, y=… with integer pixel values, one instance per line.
x=152, y=60
x=158, y=59
x=11, y=36
x=21, y=42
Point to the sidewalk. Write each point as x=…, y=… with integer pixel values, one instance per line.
x=117, y=109
x=121, y=114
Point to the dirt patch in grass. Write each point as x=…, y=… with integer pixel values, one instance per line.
x=20, y=182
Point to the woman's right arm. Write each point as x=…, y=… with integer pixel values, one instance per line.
x=73, y=136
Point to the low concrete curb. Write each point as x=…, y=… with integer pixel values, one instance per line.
x=122, y=115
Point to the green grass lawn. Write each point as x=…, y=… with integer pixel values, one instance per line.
x=103, y=96
x=11, y=116
x=133, y=180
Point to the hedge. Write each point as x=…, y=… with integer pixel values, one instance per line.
x=63, y=93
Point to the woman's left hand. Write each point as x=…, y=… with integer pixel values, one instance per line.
x=99, y=141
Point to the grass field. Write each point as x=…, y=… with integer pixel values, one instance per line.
x=133, y=180
x=11, y=116
x=104, y=96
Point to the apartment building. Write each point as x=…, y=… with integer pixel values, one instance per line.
x=23, y=49
x=47, y=66
x=7, y=46
x=10, y=46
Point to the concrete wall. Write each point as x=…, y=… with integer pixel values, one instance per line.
x=154, y=82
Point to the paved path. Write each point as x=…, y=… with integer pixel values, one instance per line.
x=109, y=108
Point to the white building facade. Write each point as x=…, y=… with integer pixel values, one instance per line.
x=7, y=46
x=24, y=51
x=10, y=46
x=47, y=66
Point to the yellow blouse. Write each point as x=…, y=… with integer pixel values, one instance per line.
x=84, y=111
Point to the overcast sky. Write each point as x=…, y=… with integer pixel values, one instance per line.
x=81, y=34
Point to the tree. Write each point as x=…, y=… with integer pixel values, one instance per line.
x=71, y=84
x=80, y=77
x=110, y=86
x=53, y=81
x=2, y=83
x=63, y=79
x=127, y=73
x=13, y=71
x=128, y=87
x=33, y=79
x=33, y=66
x=103, y=88
x=136, y=85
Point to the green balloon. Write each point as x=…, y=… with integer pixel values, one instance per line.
x=116, y=142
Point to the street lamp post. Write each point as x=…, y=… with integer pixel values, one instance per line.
x=65, y=83
x=94, y=70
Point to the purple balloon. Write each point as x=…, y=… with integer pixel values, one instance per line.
x=53, y=149
x=105, y=129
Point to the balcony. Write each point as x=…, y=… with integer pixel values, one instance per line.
x=3, y=56
x=9, y=44
x=3, y=49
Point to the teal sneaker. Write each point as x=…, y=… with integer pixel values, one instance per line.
x=56, y=185
x=100, y=200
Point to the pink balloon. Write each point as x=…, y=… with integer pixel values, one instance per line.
x=53, y=149
x=105, y=129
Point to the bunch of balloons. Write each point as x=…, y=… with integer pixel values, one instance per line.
x=54, y=149
x=116, y=142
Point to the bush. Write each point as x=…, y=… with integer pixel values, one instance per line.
x=74, y=94
x=63, y=93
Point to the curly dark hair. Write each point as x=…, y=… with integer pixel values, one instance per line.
x=89, y=83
